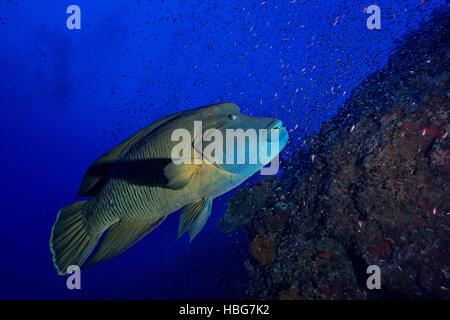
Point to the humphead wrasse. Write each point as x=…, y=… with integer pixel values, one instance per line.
x=133, y=187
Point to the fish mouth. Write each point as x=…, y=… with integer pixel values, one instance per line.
x=277, y=125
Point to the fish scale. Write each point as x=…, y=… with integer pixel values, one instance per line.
x=138, y=203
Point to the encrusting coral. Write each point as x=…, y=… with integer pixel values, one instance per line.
x=370, y=189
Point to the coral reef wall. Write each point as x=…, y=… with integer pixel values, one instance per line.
x=372, y=188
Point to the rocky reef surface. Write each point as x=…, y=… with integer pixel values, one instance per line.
x=372, y=188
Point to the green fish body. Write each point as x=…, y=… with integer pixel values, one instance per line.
x=134, y=186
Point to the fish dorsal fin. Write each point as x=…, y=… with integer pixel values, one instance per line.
x=194, y=217
x=97, y=174
x=179, y=175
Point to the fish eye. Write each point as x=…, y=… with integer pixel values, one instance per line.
x=232, y=116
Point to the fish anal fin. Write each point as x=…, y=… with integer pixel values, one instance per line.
x=194, y=217
x=119, y=238
x=179, y=175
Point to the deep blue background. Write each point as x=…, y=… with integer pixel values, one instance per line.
x=67, y=96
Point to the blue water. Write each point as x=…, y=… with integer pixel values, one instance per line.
x=67, y=96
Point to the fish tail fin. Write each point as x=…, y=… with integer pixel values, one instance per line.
x=70, y=243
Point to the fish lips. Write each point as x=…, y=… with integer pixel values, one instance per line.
x=276, y=126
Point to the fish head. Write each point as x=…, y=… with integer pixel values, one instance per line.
x=248, y=142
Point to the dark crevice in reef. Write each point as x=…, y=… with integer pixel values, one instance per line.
x=359, y=266
x=370, y=189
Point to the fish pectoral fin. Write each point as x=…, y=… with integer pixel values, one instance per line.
x=194, y=217
x=179, y=175
x=119, y=238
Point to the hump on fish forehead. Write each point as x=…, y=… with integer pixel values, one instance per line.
x=228, y=107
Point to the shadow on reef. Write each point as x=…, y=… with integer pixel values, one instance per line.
x=370, y=189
